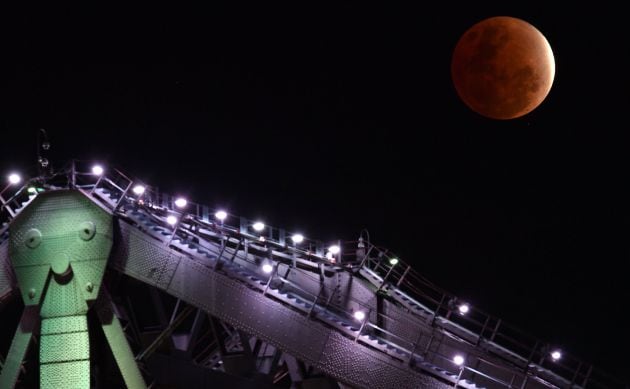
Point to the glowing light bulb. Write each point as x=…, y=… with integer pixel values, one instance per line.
x=97, y=170
x=139, y=189
x=181, y=202
x=14, y=178
x=556, y=355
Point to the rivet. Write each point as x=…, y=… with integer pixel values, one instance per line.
x=31, y=293
x=89, y=287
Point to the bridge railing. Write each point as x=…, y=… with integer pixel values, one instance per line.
x=521, y=349
x=323, y=301
x=330, y=301
x=412, y=345
x=15, y=197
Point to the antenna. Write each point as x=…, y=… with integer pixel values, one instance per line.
x=43, y=145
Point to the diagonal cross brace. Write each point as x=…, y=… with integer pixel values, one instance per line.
x=118, y=342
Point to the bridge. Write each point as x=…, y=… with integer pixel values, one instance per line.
x=105, y=281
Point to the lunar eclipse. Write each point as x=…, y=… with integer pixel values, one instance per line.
x=503, y=67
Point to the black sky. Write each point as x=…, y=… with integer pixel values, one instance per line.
x=334, y=118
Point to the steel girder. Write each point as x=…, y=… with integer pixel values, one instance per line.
x=195, y=282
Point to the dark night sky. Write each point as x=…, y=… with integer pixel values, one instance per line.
x=335, y=118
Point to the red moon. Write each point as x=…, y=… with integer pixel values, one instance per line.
x=503, y=67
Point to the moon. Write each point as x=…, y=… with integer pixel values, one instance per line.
x=503, y=67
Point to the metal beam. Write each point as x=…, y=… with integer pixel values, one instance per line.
x=195, y=331
x=7, y=278
x=217, y=335
x=64, y=352
x=118, y=342
x=275, y=362
x=159, y=306
x=295, y=368
x=19, y=346
x=165, y=333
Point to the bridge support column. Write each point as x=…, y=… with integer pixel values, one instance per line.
x=19, y=347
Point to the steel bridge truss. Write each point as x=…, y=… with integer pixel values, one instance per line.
x=195, y=306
